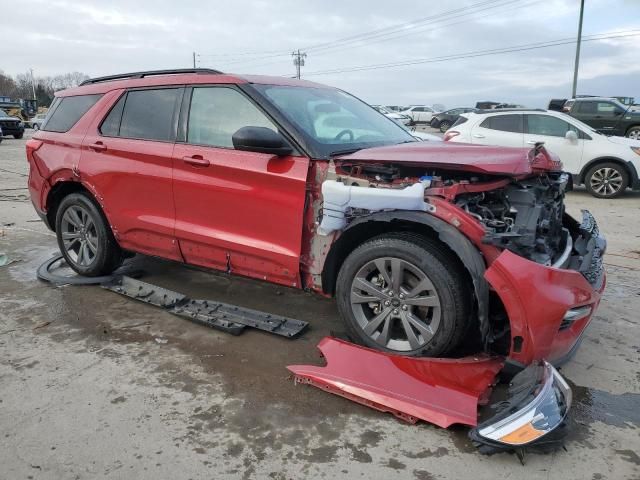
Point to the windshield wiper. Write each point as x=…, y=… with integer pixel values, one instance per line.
x=347, y=151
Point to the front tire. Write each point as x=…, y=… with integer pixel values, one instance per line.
x=634, y=133
x=85, y=238
x=18, y=136
x=606, y=180
x=405, y=294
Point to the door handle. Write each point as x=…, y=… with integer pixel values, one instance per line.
x=197, y=161
x=477, y=135
x=98, y=147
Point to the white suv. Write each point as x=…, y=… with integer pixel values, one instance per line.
x=419, y=113
x=605, y=165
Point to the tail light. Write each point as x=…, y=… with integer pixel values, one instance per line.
x=450, y=134
x=32, y=146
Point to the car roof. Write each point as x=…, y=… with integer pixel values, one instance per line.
x=507, y=110
x=153, y=78
x=598, y=99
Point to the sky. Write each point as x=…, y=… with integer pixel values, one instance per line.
x=257, y=36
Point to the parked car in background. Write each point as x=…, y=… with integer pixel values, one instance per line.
x=395, y=116
x=11, y=125
x=0, y=134
x=36, y=122
x=395, y=108
x=606, y=115
x=419, y=113
x=605, y=165
x=444, y=120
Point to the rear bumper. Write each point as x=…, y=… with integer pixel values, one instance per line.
x=549, y=308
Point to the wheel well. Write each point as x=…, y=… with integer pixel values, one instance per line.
x=597, y=161
x=356, y=236
x=57, y=193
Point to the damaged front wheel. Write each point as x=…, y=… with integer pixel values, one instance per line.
x=403, y=293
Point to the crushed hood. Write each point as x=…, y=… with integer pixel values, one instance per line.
x=451, y=156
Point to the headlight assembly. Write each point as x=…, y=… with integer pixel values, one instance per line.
x=538, y=402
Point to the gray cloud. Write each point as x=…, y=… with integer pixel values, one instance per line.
x=109, y=37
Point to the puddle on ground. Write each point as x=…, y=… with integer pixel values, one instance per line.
x=593, y=405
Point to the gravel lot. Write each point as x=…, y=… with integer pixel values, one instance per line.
x=95, y=385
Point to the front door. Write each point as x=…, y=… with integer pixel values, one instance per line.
x=236, y=211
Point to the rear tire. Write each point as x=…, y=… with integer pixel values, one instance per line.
x=85, y=238
x=18, y=136
x=606, y=180
x=419, y=306
x=36, y=127
x=444, y=126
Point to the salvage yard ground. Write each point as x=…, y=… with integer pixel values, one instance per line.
x=95, y=385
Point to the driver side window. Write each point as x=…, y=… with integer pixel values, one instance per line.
x=216, y=113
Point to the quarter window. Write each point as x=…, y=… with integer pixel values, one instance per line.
x=111, y=125
x=504, y=123
x=149, y=114
x=67, y=111
x=218, y=112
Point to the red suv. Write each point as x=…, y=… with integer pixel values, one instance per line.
x=424, y=244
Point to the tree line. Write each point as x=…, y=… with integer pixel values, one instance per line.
x=23, y=86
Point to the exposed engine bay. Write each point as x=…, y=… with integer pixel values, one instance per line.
x=523, y=216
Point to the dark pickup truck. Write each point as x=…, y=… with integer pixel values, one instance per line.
x=606, y=115
x=11, y=125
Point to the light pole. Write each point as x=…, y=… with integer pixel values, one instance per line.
x=575, y=69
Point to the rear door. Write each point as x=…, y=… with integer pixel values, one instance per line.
x=552, y=130
x=127, y=162
x=235, y=210
x=502, y=130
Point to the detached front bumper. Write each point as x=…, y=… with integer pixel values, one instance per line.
x=550, y=307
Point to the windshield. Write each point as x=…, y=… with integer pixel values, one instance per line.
x=3, y=113
x=334, y=121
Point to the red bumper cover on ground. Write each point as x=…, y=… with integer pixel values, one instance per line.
x=439, y=391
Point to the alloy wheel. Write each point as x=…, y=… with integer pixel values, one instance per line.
x=634, y=134
x=395, y=304
x=606, y=181
x=79, y=236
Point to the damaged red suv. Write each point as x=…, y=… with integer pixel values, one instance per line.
x=425, y=245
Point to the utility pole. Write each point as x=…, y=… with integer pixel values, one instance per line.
x=575, y=70
x=33, y=83
x=298, y=61
x=194, y=59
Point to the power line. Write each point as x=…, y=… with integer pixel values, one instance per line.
x=479, y=53
x=379, y=34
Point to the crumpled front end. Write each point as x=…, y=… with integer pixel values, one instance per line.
x=549, y=306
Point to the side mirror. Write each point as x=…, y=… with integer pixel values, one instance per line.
x=261, y=140
x=571, y=136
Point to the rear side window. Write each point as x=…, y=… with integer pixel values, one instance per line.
x=148, y=114
x=504, y=123
x=67, y=112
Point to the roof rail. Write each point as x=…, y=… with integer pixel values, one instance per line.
x=149, y=73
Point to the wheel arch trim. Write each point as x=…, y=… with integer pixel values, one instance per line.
x=627, y=165
x=360, y=230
